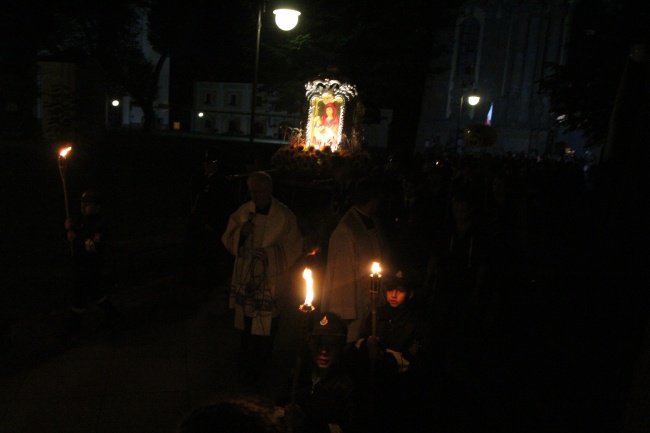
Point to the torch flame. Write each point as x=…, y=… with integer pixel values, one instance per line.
x=65, y=151
x=376, y=269
x=310, y=286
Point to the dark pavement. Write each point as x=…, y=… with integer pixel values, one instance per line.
x=173, y=350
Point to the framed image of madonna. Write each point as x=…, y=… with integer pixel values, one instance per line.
x=325, y=122
x=327, y=103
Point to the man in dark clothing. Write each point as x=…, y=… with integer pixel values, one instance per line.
x=212, y=197
x=409, y=220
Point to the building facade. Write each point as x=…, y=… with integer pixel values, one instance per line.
x=498, y=51
x=225, y=108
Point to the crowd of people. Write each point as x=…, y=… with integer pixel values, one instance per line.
x=449, y=235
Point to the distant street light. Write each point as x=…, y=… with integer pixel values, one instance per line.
x=286, y=18
x=111, y=114
x=472, y=99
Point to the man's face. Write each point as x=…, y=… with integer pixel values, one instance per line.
x=325, y=350
x=460, y=210
x=260, y=193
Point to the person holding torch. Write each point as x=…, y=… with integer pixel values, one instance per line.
x=357, y=241
x=88, y=239
x=324, y=399
x=391, y=343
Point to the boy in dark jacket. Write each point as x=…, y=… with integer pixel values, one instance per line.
x=324, y=399
x=88, y=238
x=384, y=361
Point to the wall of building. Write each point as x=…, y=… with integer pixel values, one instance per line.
x=499, y=51
x=225, y=108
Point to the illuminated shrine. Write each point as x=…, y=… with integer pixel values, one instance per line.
x=331, y=130
x=328, y=100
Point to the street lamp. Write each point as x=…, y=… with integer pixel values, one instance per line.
x=286, y=18
x=472, y=99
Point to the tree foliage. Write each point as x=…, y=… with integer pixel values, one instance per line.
x=582, y=91
x=110, y=33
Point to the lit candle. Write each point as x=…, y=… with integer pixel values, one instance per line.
x=374, y=289
x=309, y=296
x=376, y=275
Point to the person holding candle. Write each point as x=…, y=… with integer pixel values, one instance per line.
x=88, y=238
x=383, y=362
x=357, y=241
x=325, y=399
x=265, y=239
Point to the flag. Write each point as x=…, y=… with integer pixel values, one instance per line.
x=488, y=119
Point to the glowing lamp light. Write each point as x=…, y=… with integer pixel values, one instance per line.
x=473, y=99
x=201, y=114
x=286, y=19
x=310, y=286
x=115, y=103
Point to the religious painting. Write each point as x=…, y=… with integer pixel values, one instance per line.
x=325, y=122
x=327, y=100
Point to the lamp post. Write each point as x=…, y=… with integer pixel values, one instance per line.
x=286, y=18
x=472, y=99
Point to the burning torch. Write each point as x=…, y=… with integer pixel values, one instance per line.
x=62, y=168
x=305, y=317
x=375, y=281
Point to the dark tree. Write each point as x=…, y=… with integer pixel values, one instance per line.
x=583, y=91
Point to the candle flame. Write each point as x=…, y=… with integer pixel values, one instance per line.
x=65, y=151
x=310, y=286
x=376, y=269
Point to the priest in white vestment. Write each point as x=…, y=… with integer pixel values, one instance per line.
x=356, y=242
x=265, y=239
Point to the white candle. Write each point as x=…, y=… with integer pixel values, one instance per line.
x=310, y=286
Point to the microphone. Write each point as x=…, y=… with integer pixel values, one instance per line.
x=243, y=236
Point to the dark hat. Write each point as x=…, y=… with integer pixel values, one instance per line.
x=330, y=324
x=399, y=278
x=91, y=196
